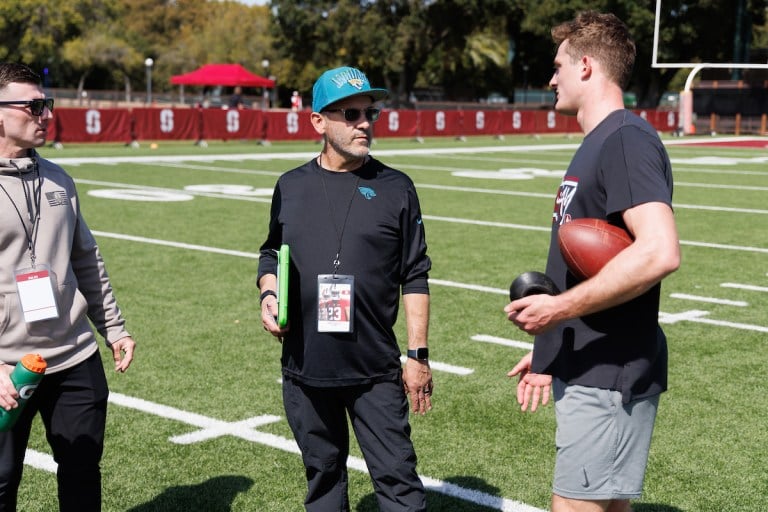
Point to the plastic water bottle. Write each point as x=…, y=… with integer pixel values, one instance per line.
x=25, y=377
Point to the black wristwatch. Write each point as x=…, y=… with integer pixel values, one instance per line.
x=266, y=294
x=421, y=353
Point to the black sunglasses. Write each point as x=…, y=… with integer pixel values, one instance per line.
x=353, y=114
x=36, y=107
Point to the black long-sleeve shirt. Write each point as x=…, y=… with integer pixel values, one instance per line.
x=375, y=212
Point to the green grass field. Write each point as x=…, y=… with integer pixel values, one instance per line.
x=197, y=423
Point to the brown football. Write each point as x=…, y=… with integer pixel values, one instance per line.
x=588, y=244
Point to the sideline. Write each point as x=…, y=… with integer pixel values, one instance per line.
x=306, y=155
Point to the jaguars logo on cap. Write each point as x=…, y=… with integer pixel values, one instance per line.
x=356, y=83
x=340, y=83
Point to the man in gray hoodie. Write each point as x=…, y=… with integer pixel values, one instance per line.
x=52, y=282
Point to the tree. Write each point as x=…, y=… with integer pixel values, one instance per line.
x=97, y=49
x=35, y=32
x=402, y=43
x=467, y=48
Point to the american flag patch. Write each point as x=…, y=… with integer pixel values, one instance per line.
x=57, y=198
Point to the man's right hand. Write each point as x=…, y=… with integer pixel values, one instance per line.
x=531, y=387
x=8, y=393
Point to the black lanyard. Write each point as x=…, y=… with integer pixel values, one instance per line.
x=339, y=233
x=33, y=208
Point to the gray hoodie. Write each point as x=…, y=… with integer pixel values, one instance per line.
x=62, y=241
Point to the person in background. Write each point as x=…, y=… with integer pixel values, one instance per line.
x=598, y=345
x=296, y=103
x=45, y=239
x=236, y=100
x=357, y=242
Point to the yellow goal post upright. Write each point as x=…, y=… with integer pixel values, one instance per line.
x=685, y=105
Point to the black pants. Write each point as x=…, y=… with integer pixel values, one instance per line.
x=379, y=416
x=73, y=407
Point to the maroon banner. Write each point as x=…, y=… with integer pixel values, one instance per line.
x=290, y=125
x=397, y=123
x=518, y=122
x=663, y=121
x=124, y=125
x=90, y=125
x=233, y=124
x=167, y=124
x=440, y=123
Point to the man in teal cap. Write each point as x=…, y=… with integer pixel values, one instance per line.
x=357, y=243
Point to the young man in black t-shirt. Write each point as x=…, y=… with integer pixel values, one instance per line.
x=598, y=344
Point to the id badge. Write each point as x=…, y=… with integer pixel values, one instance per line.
x=335, y=303
x=35, y=289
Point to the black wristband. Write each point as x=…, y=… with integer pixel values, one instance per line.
x=266, y=294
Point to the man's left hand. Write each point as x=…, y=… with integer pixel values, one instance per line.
x=122, y=353
x=417, y=380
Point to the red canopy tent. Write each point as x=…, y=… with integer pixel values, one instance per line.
x=222, y=74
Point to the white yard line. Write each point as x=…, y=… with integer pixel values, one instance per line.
x=710, y=300
x=439, y=282
x=210, y=428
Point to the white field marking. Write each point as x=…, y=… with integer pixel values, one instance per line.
x=711, y=300
x=733, y=325
x=699, y=170
x=563, y=162
x=719, y=208
x=549, y=196
x=673, y=318
x=253, y=195
x=445, y=367
x=224, y=428
x=475, y=287
x=709, y=140
x=144, y=195
x=302, y=155
x=719, y=160
x=229, y=170
x=485, y=191
x=244, y=430
x=698, y=317
x=487, y=338
x=178, y=245
x=749, y=287
x=165, y=159
x=724, y=187
x=667, y=318
x=217, y=195
x=487, y=223
x=517, y=173
x=403, y=166
x=478, y=497
x=306, y=155
x=227, y=190
x=40, y=460
x=746, y=248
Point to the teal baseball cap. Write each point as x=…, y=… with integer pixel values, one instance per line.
x=340, y=83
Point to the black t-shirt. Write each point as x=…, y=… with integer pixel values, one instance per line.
x=376, y=212
x=621, y=163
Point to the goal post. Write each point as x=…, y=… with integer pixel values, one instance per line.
x=685, y=105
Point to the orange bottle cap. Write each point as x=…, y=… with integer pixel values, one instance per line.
x=34, y=363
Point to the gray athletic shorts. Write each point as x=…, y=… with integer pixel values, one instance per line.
x=602, y=444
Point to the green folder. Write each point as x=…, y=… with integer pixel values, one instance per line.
x=283, y=263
